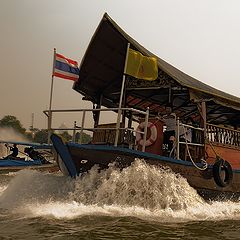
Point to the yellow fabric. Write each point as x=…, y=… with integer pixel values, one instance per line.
x=141, y=67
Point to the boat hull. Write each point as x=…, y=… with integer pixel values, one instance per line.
x=85, y=157
x=74, y=159
x=7, y=166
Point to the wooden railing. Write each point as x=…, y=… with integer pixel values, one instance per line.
x=223, y=135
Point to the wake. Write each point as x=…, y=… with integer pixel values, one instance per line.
x=141, y=191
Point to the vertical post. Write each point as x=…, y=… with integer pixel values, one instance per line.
x=145, y=130
x=74, y=132
x=32, y=126
x=32, y=120
x=177, y=139
x=121, y=97
x=130, y=130
x=96, y=114
x=49, y=125
x=50, y=103
x=204, y=115
x=203, y=124
x=82, y=126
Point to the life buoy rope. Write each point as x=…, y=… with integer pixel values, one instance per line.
x=153, y=136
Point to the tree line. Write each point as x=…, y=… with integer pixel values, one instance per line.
x=35, y=134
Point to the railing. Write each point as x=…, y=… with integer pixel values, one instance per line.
x=49, y=114
x=223, y=135
x=196, y=140
x=214, y=134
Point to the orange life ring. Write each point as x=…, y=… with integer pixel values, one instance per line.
x=151, y=139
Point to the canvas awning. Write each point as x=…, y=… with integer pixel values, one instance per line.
x=101, y=72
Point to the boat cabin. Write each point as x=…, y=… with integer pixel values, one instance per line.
x=204, y=122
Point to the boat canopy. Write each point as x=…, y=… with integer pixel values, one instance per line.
x=101, y=74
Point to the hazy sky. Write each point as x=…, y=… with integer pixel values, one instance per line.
x=201, y=38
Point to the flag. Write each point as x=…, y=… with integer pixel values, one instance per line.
x=65, y=68
x=141, y=67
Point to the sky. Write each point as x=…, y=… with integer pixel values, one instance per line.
x=201, y=38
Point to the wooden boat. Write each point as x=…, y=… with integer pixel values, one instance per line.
x=209, y=159
x=35, y=156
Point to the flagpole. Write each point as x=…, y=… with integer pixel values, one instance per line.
x=121, y=97
x=50, y=102
x=51, y=93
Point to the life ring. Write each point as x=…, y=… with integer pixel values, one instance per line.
x=218, y=168
x=153, y=136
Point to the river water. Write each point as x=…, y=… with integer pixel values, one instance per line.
x=140, y=202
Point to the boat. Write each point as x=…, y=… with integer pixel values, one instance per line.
x=27, y=156
x=204, y=147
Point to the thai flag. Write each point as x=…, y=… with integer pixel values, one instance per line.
x=65, y=68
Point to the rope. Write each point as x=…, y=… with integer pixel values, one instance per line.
x=173, y=150
x=205, y=165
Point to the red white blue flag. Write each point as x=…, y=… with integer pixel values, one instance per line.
x=65, y=68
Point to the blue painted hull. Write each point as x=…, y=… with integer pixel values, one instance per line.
x=74, y=159
x=18, y=163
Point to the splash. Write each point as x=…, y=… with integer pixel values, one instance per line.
x=138, y=185
x=9, y=134
x=142, y=191
x=30, y=186
x=2, y=189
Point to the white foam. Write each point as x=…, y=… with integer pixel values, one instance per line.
x=2, y=189
x=140, y=191
x=69, y=210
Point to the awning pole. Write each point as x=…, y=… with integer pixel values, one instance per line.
x=74, y=131
x=145, y=130
x=177, y=138
x=121, y=97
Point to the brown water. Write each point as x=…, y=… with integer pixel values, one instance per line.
x=140, y=202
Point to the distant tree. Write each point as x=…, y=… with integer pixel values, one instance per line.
x=66, y=136
x=33, y=130
x=13, y=122
x=41, y=136
x=86, y=138
x=29, y=136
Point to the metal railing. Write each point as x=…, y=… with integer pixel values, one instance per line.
x=117, y=128
x=198, y=142
x=214, y=134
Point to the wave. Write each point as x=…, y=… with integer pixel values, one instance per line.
x=142, y=191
